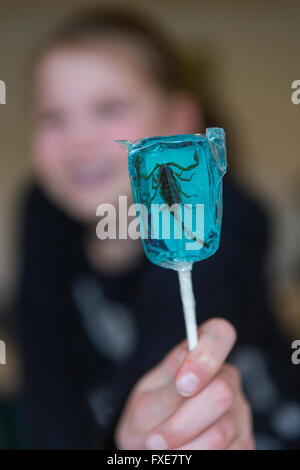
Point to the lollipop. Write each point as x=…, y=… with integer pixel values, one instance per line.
x=177, y=188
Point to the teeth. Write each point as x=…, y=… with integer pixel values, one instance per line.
x=89, y=172
x=90, y=167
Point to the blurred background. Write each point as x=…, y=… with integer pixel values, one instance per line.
x=252, y=49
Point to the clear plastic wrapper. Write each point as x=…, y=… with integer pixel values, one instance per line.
x=177, y=188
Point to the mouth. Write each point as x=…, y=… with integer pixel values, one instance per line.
x=90, y=174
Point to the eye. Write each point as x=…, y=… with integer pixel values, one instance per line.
x=51, y=119
x=111, y=109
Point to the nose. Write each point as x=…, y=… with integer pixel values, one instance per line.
x=81, y=135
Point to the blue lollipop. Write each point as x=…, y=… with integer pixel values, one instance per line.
x=177, y=188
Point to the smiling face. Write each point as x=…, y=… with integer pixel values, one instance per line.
x=84, y=99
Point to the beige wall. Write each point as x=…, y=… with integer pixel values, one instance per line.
x=257, y=45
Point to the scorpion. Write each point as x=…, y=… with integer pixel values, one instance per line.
x=165, y=180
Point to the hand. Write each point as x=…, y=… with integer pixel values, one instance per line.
x=190, y=400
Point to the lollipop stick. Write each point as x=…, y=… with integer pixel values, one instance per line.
x=189, y=307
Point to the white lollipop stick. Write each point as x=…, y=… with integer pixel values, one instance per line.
x=189, y=306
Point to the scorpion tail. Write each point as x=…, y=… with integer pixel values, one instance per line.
x=189, y=233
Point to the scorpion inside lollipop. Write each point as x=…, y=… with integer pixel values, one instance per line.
x=159, y=171
x=165, y=180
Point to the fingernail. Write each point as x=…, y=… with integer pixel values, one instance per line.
x=156, y=442
x=188, y=384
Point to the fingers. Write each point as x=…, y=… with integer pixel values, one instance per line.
x=193, y=416
x=160, y=395
x=243, y=415
x=241, y=412
x=242, y=444
x=216, y=339
x=217, y=437
x=158, y=401
x=213, y=419
x=233, y=429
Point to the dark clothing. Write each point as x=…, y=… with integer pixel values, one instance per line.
x=88, y=337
